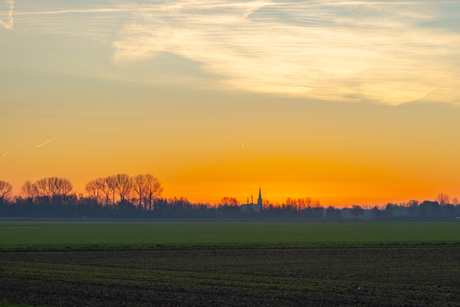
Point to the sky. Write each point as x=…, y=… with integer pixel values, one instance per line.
x=348, y=102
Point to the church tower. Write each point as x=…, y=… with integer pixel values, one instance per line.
x=259, y=200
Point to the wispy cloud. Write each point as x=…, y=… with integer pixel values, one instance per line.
x=8, y=24
x=5, y=153
x=197, y=5
x=375, y=54
x=332, y=50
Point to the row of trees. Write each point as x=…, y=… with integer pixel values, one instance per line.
x=123, y=196
x=141, y=190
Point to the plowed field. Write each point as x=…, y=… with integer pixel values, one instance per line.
x=259, y=277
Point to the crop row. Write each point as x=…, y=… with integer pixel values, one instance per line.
x=373, y=277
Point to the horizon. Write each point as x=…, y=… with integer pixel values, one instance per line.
x=351, y=103
x=282, y=200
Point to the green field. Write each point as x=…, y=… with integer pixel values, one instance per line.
x=229, y=263
x=183, y=234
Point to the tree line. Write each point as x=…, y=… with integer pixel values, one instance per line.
x=140, y=197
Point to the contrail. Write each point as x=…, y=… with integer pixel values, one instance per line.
x=45, y=142
x=5, y=153
x=9, y=25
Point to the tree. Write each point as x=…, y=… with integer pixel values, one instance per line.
x=54, y=187
x=112, y=186
x=429, y=208
x=389, y=210
x=375, y=212
x=124, y=186
x=229, y=201
x=154, y=189
x=140, y=188
x=63, y=188
x=46, y=187
x=317, y=209
x=266, y=203
x=356, y=211
x=29, y=190
x=5, y=191
x=333, y=213
x=101, y=185
x=443, y=199
x=93, y=190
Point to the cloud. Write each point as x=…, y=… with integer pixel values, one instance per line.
x=10, y=6
x=374, y=52
x=344, y=51
x=197, y=5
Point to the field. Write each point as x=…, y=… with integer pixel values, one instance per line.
x=263, y=277
x=139, y=235
x=230, y=264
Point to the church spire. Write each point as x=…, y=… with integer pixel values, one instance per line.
x=259, y=200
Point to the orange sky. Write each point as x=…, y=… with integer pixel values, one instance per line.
x=349, y=103
x=339, y=153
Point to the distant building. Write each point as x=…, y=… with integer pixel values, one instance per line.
x=251, y=206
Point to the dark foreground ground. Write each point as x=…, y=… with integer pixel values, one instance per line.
x=334, y=277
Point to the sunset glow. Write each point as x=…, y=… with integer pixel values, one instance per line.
x=348, y=102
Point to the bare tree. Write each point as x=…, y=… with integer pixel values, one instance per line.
x=101, y=184
x=154, y=189
x=443, y=199
x=46, y=187
x=5, y=191
x=93, y=190
x=266, y=203
x=53, y=187
x=124, y=186
x=140, y=188
x=29, y=190
x=112, y=186
x=229, y=201
x=64, y=188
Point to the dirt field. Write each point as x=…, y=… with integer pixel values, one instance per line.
x=319, y=277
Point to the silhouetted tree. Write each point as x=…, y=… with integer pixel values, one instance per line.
x=46, y=187
x=229, y=201
x=443, y=199
x=6, y=189
x=356, y=211
x=101, y=185
x=124, y=186
x=64, y=188
x=93, y=190
x=140, y=188
x=112, y=186
x=333, y=213
x=154, y=189
x=317, y=210
x=429, y=208
x=54, y=188
x=265, y=203
x=29, y=191
x=375, y=212
x=389, y=210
